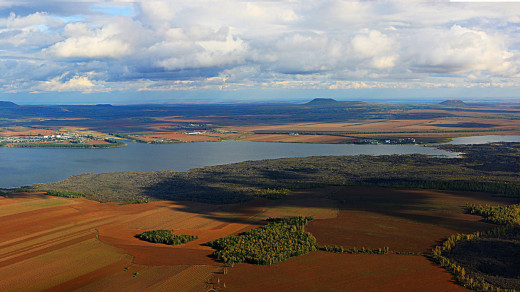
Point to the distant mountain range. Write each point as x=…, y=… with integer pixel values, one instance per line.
x=453, y=102
x=322, y=101
x=8, y=104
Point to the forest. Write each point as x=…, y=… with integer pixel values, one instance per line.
x=165, y=237
x=279, y=240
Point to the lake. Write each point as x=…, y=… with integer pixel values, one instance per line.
x=484, y=139
x=26, y=166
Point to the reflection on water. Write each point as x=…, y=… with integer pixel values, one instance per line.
x=484, y=139
x=25, y=166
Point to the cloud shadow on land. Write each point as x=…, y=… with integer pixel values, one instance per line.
x=239, y=182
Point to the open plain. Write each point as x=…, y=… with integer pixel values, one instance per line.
x=67, y=244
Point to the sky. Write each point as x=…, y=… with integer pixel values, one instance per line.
x=89, y=51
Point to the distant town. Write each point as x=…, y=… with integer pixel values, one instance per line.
x=387, y=141
x=59, y=140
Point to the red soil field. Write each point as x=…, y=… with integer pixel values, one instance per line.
x=321, y=271
x=29, y=132
x=178, y=119
x=295, y=138
x=401, y=127
x=183, y=137
x=64, y=244
x=302, y=203
x=77, y=242
x=403, y=220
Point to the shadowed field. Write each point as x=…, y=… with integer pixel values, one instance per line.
x=321, y=271
x=403, y=220
x=67, y=244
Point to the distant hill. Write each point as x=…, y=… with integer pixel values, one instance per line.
x=7, y=104
x=322, y=101
x=453, y=102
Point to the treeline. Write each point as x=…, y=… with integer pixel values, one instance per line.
x=363, y=250
x=137, y=201
x=498, y=188
x=509, y=219
x=274, y=194
x=298, y=221
x=501, y=215
x=56, y=193
x=65, y=194
x=467, y=279
x=166, y=237
x=275, y=242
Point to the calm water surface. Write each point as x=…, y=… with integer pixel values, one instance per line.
x=26, y=166
x=484, y=139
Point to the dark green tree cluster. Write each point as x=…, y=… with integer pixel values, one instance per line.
x=298, y=221
x=274, y=194
x=166, y=237
x=275, y=242
x=65, y=194
x=502, y=189
x=137, y=201
x=502, y=215
x=363, y=250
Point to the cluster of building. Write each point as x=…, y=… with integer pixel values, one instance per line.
x=388, y=141
x=57, y=137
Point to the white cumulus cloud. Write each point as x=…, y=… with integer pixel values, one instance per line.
x=112, y=40
x=75, y=83
x=378, y=48
x=231, y=44
x=460, y=49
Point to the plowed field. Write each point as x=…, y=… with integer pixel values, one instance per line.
x=403, y=220
x=60, y=244
x=321, y=271
x=66, y=244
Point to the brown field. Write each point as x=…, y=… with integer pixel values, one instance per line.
x=67, y=244
x=455, y=123
x=182, y=137
x=321, y=271
x=387, y=125
x=183, y=120
x=23, y=131
x=301, y=203
x=470, y=122
x=397, y=123
x=403, y=220
x=296, y=138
